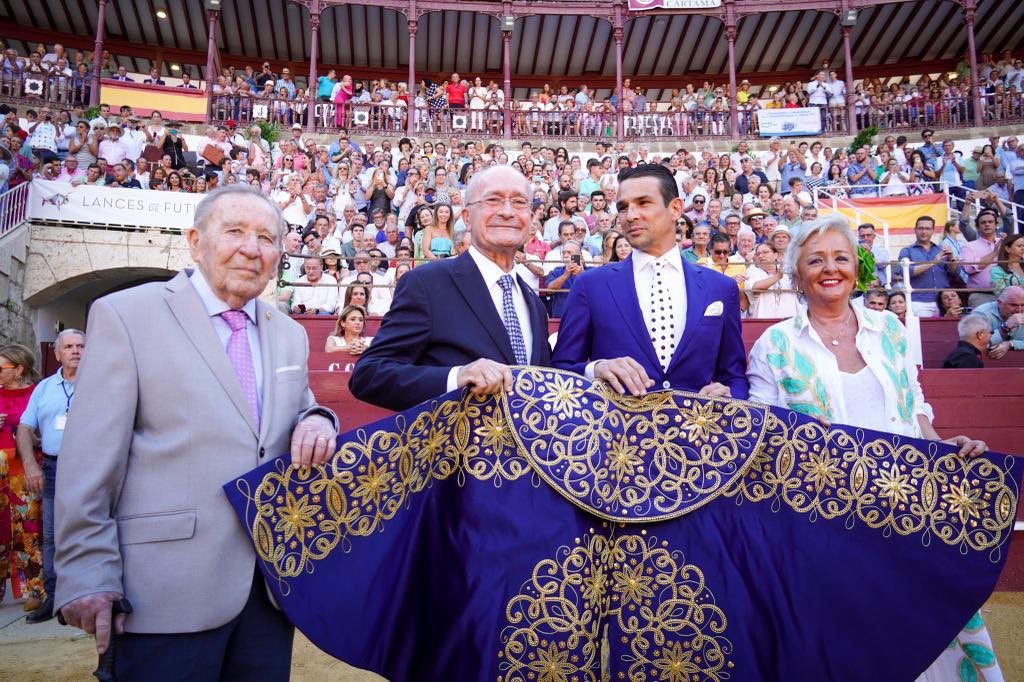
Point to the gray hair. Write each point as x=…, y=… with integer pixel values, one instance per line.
x=67, y=332
x=745, y=230
x=969, y=325
x=804, y=231
x=206, y=208
x=1012, y=289
x=478, y=180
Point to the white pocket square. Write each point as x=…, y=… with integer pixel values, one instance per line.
x=713, y=310
x=289, y=368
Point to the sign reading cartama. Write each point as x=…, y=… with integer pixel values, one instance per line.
x=644, y=5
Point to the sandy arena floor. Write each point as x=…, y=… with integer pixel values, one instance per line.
x=51, y=653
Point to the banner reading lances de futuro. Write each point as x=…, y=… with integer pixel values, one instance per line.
x=62, y=202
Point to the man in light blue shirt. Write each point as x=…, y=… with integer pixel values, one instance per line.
x=46, y=414
x=1015, y=166
x=950, y=171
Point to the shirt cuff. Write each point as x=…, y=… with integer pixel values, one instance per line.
x=325, y=413
x=588, y=371
x=453, y=379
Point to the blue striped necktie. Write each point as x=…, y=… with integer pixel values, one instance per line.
x=511, y=320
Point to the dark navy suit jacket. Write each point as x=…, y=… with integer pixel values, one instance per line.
x=442, y=316
x=603, y=320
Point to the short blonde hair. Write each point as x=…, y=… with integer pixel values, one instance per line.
x=804, y=231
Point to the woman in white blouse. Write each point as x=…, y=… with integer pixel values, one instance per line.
x=849, y=365
x=894, y=180
x=348, y=332
x=768, y=286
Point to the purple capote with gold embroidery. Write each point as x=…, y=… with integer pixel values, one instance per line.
x=564, y=532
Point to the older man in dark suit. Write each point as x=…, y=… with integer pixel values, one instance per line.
x=462, y=321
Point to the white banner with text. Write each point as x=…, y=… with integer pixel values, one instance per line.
x=797, y=121
x=62, y=202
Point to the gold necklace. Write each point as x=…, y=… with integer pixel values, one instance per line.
x=842, y=328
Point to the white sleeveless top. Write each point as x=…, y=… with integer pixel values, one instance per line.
x=864, y=397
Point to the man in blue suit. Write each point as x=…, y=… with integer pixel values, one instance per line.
x=654, y=320
x=462, y=321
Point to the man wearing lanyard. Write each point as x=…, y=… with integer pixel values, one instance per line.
x=46, y=414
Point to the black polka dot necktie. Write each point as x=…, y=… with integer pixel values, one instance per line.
x=662, y=322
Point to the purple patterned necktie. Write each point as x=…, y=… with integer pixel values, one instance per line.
x=240, y=355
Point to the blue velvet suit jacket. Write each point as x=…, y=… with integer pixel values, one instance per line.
x=603, y=320
x=442, y=316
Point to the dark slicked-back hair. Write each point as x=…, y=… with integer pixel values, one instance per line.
x=666, y=183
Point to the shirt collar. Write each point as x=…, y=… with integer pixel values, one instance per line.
x=871, y=320
x=214, y=305
x=490, y=270
x=673, y=258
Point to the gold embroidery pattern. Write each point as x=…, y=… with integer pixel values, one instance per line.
x=299, y=516
x=884, y=482
x=643, y=592
x=625, y=459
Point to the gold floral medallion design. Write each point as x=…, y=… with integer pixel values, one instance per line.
x=625, y=458
x=629, y=588
x=883, y=481
x=299, y=516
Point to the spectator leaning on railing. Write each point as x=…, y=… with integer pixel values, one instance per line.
x=1005, y=316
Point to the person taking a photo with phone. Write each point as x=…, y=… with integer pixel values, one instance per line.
x=561, y=279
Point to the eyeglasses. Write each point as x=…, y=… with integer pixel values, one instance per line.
x=497, y=203
x=287, y=158
x=720, y=252
x=698, y=201
x=8, y=366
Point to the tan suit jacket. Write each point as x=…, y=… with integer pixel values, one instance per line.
x=157, y=425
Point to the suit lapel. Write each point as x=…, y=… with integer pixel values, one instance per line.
x=267, y=350
x=623, y=290
x=470, y=284
x=696, y=301
x=188, y=308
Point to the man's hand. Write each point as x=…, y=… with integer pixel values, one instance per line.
x=999, y=350
x=313, y=441
x=93, y=613
x=624, y=374
x=484, y=377
x=1014, y=321
x=33, y=478
x=716, y=390
x=968, y=446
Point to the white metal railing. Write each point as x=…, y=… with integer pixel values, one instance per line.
x=876, y=190
x=1013, y=211
x=13, y=208
x=859, y=214
x=913, y=323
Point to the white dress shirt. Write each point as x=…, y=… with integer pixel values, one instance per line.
x=491, y=273
x=643, y=281
x=214, y=307
x=321, y=297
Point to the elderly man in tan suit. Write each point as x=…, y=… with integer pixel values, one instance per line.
x=191, y=383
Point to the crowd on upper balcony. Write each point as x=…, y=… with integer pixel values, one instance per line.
x=372, y=207
x=251, y=92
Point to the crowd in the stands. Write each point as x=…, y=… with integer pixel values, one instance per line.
x=369, y=213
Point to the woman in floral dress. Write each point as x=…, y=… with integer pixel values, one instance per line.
x=21, y=486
